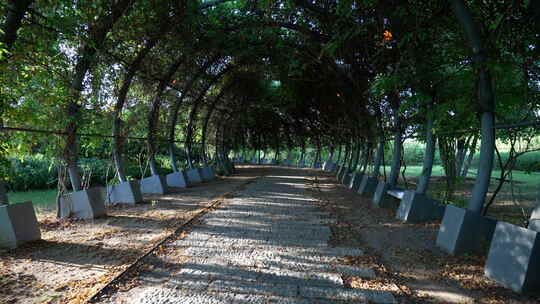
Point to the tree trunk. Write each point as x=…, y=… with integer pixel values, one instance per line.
x=331, y=156
x=486, y=105
x=378, y=159
x=153, y=116
x=423, y=180
x=97, y=34
x=317, y=154
x=447, y=151
x=366, y=157
x=468, y=161
x=351, y=156
x=205, y=125
x=462, y=147
x=357, y=155
x=194, y=111
x=396, y=156
x=172, y=157
x=119, y=105
x=174, y=110
x=16, y=9
x=485, y=166
x=339, y=154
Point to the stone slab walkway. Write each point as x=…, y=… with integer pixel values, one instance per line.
x=268, y=245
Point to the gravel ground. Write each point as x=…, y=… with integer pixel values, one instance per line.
x=268, y=244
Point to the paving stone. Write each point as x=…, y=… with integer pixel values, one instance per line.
x=269, y=244
x=348, y=294
x=172, y=296
x=258, y=288
x=283, y=300
x=339, y=251
x=361, y=272
x=187, y=283
x=301, y=278
x=196, y=272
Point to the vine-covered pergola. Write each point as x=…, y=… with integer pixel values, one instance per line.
x=206, y=84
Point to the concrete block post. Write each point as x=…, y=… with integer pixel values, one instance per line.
x=84, y=204
x=463, y=231
x=327, y=165
x=368, y=185
x=126, y=192
x=207, y=174
x=355, y=181
x=514, y=258
x=176, y=179
x=347, y=176
x=381, y=198
x=18, y=225
x=333, y=168
x=193, y=177
x=155, y=184
x=417, y=208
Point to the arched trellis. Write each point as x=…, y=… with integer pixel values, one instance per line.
x=178, y=103
x=329, y=62
x=195, y=108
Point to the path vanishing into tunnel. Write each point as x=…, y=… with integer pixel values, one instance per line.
x=267, y=244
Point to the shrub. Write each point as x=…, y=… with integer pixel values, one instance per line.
x=32, y=172
x=40, y=172
x=529, y=162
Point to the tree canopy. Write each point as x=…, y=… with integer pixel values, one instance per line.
x=272, y=74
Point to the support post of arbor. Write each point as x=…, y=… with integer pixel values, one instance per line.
x=368, y=185
x=467, y=231
x=301, y=162
x=356, y=177
x=344, y=177
x=128, y=192
x=329, y=165
x=84, y=204
x=514, y=255
x=18, y=222
x=416, y=206
x=337, y=162
x=381, y=198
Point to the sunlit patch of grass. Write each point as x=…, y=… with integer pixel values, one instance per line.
x=42, y=199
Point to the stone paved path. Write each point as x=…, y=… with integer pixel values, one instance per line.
x=269, y=245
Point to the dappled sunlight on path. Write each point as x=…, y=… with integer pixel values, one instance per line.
x=268, y=244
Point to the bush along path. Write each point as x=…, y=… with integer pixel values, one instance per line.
x=268, y=244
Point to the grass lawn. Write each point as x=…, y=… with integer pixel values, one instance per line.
x=519, y=176
x=525, y=186
x=42, y=199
